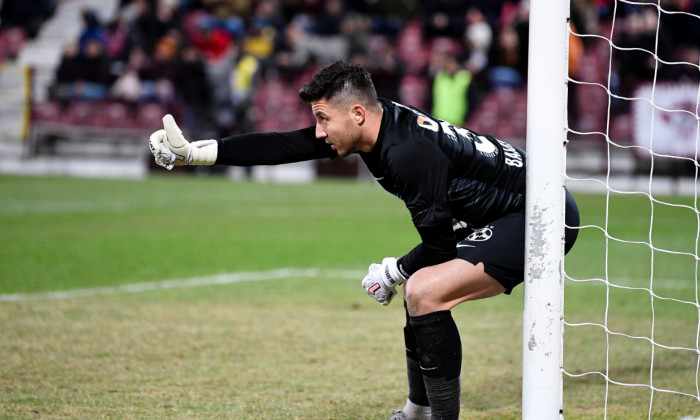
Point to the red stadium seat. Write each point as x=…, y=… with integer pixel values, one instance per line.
x=113, y=115
x=622, y=129
x=79, y=113
x=150, y=115
x=46, y=111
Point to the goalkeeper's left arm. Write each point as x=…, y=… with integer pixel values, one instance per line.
x=382, y=279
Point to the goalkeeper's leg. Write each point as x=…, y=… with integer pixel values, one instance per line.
x=430, y=295
x=485, y=255
x=417, y=406
x=440, y=359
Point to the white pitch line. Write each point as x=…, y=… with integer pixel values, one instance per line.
x=228, y=278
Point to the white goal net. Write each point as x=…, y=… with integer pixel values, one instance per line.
x=631, y=301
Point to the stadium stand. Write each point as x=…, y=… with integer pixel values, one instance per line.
x=224, y=67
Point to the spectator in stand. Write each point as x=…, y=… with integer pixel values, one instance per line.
x=264, y=28
x=306, y=7
x=505, y=61
x=508, y=59
x=491, y=10
x=92, y=29
x=152, y=22
x=96, y=69
x=636, y=66
x=477, y=41
x=68, y=72
x=450, y=88
x=222, y=9
x=330, y=19
x=290, y=46
x=143, y=25
x=82, y=74
x=244, y=76
x=118, y=42
x=128, y=86
x=584, y=18
x=682, y=26
x=260, y=41
x=385, y=66
x=687, y=71
x=193, y=89
x=443, y=18
x=307, y=46
x=213, y=41
x=356, y=29
x=478, y=36
x=161, y=74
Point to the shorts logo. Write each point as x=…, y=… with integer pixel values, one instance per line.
x=481, y=235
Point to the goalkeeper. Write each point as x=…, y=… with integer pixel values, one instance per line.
x=465, y=192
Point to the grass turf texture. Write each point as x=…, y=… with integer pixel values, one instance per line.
x=296, y=348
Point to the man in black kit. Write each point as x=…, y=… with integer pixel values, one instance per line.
x=465, y=192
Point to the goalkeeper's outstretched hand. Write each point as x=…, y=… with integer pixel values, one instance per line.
x=170, y=148
x=382, y=279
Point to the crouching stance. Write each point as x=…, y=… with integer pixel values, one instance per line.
x=465, y=192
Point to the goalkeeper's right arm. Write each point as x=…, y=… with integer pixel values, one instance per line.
x=170, y=148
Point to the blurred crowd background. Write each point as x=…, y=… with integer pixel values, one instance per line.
x=228, y=66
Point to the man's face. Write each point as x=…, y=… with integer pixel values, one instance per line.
x=336, y=127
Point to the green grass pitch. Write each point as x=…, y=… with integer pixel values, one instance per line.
x=303, y=347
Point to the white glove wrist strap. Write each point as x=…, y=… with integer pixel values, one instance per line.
x=392, y=270
x=203, y=152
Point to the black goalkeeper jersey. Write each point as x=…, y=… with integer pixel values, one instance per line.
x=440, y=171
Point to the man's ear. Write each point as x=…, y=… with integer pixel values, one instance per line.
x=358, y=113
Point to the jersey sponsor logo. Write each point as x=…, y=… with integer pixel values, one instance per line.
x=481, y=235
x=485, y=147
x=482, y=144
x=458, y=224
x=426, y=122
x=422, y=119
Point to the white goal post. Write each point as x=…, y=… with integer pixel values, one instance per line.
x=542, y=394
x=634, y=319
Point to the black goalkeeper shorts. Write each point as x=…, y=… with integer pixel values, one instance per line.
x=500, y=245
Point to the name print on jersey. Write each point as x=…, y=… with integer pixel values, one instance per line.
x=513, y=158
x=481, y=143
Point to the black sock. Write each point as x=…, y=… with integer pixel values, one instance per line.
x=440, y=357
x=416, y=388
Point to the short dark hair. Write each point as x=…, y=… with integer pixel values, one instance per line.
x=341, y=81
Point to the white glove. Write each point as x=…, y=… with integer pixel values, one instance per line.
x=170, y=148
x=382, y=279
